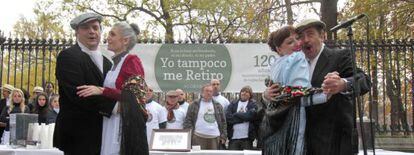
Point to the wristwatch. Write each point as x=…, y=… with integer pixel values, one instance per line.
x=348, y=85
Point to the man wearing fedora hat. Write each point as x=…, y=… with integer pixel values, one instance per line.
x=6, y=90
x=329, y=127
x=78, y=127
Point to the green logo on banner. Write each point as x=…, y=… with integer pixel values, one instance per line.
x=189, y=66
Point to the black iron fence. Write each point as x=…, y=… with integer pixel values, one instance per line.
x=27, y=63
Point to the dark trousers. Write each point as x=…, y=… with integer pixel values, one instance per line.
x=241, y=144
x=1, y=132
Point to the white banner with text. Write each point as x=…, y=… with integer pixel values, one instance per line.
x=189, y=66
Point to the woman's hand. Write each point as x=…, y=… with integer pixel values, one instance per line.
x=88, y=90
x=271, y=92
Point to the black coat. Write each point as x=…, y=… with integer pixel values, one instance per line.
x=233, y=117
x=2, y=106
x=78, y=127
x=329, y=126
x=51, y=116
x=5, y=115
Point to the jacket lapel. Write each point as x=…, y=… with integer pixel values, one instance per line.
x=323, y=61
x=106, y=66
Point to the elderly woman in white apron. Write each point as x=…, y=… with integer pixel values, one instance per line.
x=121, y=39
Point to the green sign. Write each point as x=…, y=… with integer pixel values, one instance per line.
x=189, y=66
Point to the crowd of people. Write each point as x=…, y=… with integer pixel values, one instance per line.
x=107, y=107
x=43, y=102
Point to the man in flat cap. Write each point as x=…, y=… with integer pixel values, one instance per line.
x=329, y=127
x=79, y=123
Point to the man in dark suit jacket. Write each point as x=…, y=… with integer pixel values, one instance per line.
x=330, y=126
x=79, y=123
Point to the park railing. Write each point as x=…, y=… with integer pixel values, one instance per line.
x=31, y=62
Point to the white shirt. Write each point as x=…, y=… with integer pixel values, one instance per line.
x=156, y=115
x=223, y=101
x=206, y=121
x=96, y=55
x=241, y=130
x=8, y=101
x=314, y=61
x=177, y=122
x=184, y=106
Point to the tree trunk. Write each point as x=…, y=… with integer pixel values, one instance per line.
x=390, y=90
x=169, y=33
x=266, y=20
x=329, y=13
x=289, y=12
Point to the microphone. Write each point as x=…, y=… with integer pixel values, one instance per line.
x=347, y=23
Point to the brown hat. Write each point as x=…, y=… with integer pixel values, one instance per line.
x=307, y=23
x=172, y=93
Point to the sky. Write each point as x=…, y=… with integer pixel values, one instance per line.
x=12, y=10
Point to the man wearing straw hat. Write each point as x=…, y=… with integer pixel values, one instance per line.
x=6, y=90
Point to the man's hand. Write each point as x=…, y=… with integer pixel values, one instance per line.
x=88, y=90
x=333, y=83
x=222, y=141
x=271, y=92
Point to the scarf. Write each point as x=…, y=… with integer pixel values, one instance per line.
x=133, y=135
x=170, y=109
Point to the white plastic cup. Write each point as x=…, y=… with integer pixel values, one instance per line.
x=50, y=135
x=196, y=148
x=35, y=132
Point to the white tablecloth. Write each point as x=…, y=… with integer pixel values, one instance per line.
x=6, y=150
x=209, y=152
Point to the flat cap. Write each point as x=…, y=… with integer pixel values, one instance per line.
x=307, y=23
x=172, y=93
x=37, y=89
x=7, y=87
x=84, y=18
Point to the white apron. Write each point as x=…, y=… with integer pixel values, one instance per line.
x=111, y=139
